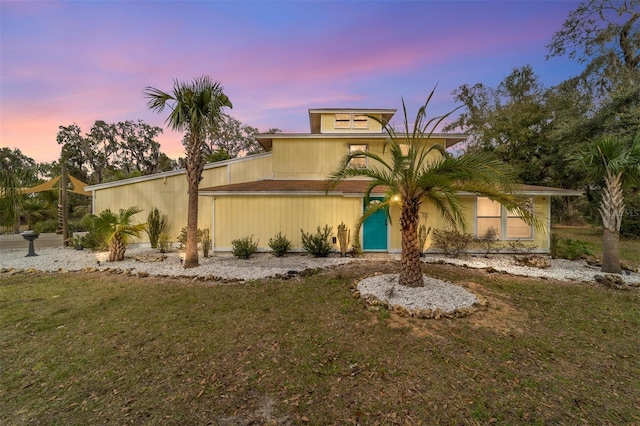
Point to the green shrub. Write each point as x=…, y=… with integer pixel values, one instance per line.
x=164, y=243
x=206, y=242
x=156, y=224
x=566, y=248
x=243, y=248
x=46, y=226
x=317, y=244
x=451, y=242
x=279, y=244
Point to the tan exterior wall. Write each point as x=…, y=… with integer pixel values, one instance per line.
x=436, y=221
x=302, y=158
x=327, y=125
x=264, y=216
x=169, y=194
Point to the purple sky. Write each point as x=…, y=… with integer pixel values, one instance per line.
x=64, y=62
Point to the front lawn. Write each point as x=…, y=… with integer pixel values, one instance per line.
x=88, y=348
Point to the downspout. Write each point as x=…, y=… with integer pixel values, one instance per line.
x=213, y=225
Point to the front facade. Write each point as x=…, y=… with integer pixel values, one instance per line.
x=285, y=191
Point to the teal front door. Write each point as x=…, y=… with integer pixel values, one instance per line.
x=374, y=229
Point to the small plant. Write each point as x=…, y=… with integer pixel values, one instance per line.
x=279, y=244
x=488, y=240
x=78, y=242
x=451, y=242
x=206, y=242
x=344, y=237
x=317, y=244
x=243, y=248
x=164, y=243
x=156, y=224
x=423, y=234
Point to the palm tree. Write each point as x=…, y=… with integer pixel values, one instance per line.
x=196, y=109
x=618, y=163
x=117, y=230
x=418, y=172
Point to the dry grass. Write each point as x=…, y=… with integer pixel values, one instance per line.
x=96, y=348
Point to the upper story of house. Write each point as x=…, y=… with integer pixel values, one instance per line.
x=334, y=132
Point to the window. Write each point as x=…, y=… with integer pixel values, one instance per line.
x=491, y=214
x=488, y=215
x=343, y=121
x=351, y=121
x=360, y=162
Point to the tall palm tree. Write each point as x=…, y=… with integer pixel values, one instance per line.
x=419, y=172
x=196, y=109
x=617, y=162
x=118, y=230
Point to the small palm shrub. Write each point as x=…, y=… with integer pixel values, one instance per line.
x=317, y=244
x=451, y=242
x=119, y=230
x=279, y=244
x=243, y=248
x=156, y=224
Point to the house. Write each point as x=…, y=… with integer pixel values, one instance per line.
x=284, y=190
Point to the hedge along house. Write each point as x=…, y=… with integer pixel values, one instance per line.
x=285, y=190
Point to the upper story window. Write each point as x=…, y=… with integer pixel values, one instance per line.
x=351, y=121
x=508, y=225
x=360, y=162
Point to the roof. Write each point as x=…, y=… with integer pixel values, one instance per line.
x=316, y=113
x=266, y=139
x=293, y=186
x=346, y=188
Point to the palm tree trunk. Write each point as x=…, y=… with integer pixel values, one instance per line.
x=195, y=166
x=611, y=252
x=117, y=249
x=611, y=211
x=411, y=272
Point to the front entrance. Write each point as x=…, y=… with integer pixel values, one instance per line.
x=374, y=229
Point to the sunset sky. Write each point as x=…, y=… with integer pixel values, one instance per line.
x=65, y=62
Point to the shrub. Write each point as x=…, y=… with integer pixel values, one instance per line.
x=488, y=240
x=243, y=248
x=279, y=244
x=164, y=243
x=206, y=242
x=566, y=248
x=156, y=224
x=46, y=226
x=182, y=238
x=317, y=244
x=517, y=246
x=451, y=242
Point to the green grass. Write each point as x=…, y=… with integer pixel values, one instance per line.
x=629, y=249
x=95, y=348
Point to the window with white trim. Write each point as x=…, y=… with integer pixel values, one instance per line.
x=351, y=121
x=507, y=224
x=360, y=161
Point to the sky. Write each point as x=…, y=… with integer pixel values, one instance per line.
x=65, y=62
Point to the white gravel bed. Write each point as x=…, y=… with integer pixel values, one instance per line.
x=225, y=265
x=436, y=294
x=561, y=269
